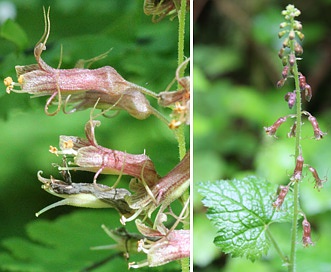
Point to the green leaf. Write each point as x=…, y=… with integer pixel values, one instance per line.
x=242, y=210
x=13, y=32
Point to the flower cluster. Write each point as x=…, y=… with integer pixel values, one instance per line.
x=289, y=54
x=103, y=88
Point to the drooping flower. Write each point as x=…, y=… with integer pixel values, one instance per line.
x=89, y=156
x=283, y=190
x=272, y=129
x=82, y=87
x=162, y=246
x=297, y=174
x=306, y=237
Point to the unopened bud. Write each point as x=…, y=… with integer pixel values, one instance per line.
x=285, y=72
x=302, y=81
x=281, y=53
x=297, y=25
x=300, y=35
x=283, y=24
x=281, y=33
x=284, y=60
x=291, y=59
x=291, y=35
x=286, y=42
x=290, y=98
x=298, y=49
x=280, y=83
x=308, y=92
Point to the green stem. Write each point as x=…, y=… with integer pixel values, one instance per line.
x=181, y=35
x=179, y=133
x=294, y=231
x=276, y=246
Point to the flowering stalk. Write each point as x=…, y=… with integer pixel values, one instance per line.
x=289, y=54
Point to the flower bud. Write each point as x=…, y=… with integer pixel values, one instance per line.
x=285, y=72
x=291, y=59
x=284, y=60
x=298, y=48
x=283, y=24
x=281, y=33
x=281, y=53
x=308, y=92
x=297, y=25
x=286, y=43
x=291, y=35
x=300, y=35
x=280, y=83
x=302, y=81
x=290, y=97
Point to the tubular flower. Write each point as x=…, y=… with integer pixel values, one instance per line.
x=162, y=246
x=82, y=86
x=166, y=190
x=89, y=156
x=84, y=195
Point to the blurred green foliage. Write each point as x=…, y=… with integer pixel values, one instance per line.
x=142, y=52
x=236, y=68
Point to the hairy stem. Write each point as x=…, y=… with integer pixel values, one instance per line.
x=294, y=231
x=179, y=133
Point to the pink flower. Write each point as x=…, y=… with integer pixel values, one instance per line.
x=83, y=87
x=89, y=156
x=162, y=246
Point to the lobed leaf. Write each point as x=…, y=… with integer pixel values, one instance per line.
x=242, y=210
